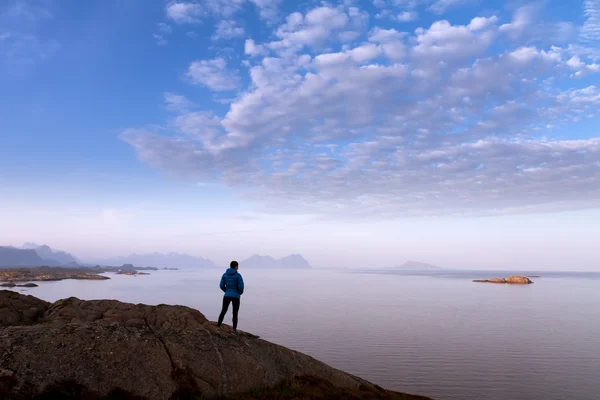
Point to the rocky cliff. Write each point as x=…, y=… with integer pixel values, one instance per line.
x=108, y=349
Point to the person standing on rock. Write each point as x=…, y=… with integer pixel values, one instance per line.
x=233, y=286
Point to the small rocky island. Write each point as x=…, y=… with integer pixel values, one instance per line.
x=519, y=280
x=75, y=349
x=131, y=273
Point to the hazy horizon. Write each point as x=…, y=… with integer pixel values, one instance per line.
x=508, y=248
x=358, y=133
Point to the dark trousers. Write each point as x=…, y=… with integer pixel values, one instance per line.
x=236, y=308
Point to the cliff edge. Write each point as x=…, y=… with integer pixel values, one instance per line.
x=108, y=349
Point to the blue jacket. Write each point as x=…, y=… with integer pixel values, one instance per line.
x=232, y=283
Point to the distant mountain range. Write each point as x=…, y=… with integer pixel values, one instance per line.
x=33, y=255
x=159, y=260
x=294, y=261
x=46, y=253
x=416, y=266
x=14, y=257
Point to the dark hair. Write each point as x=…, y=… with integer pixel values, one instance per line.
x=233, y=264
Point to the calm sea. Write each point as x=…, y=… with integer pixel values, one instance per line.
x=436, y=334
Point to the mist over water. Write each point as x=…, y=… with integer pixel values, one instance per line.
x=436, y=334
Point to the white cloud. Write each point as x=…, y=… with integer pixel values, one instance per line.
x=357, y=55
x=440, y=6
x=213, y=74
x=528, y=54
x=407, y=16
x=480, y=23
x=160, y=40
x=582, y=69
x=528, y=24
x=268, y=9
x=252, y=49
x=312, y=29
x=389, y=8
x=194, y=11
x=453, y=43
x=326, y=16
x=410, y=4
x=364, y=53
x=224, y=8
x=184, y=13
x=438, y=121
x=590, y=31
x=164, y=30
x=380, y=35
x=227, y=30
x=522, y=20
x=177, y=102
x=331, y=59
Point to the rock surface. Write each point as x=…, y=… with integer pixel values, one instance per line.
x=96, y=349
x=518, y=279
x=511, y=279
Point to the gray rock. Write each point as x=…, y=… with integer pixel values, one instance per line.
x=154, y=352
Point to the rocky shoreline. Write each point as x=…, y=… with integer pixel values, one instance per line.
x=14, y=275
x=75, y=349
x=49, y=274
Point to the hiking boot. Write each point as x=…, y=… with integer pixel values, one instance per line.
x=235, y=332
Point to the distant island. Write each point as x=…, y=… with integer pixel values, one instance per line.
x=33, y=255
x=293, y=261
x=160, y=260
x=47, y=253
x=416, y=266
x=13, y=257
x=519, y=280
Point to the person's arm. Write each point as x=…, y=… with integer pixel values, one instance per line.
x=240, y=284
x=222, y=284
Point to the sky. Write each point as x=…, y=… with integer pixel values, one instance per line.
x=463, y=133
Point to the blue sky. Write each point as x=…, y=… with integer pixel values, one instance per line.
x=353, y=132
